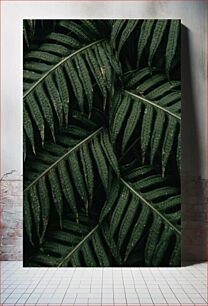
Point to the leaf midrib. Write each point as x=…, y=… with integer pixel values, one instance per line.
x=150, y=206
x=64, y=156
x=153, y=104
x=79, y=244
x=59, y=64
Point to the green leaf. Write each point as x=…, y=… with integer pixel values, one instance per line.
x=109, y=153
x=158, y=33
x=85, y=80
x=131, y=24
x=28, y=128
x=172, y=44
x=146, y=130
x=56, y=193
x=127, y=221
x=63, y=91
x=100, y=161
x=168, y=142
x=88, y=170
x=27, y=217
x=118, y=211
x=112, y=196
x=146, y=30
x=66, y=185
x=45, y=205
x=76, y=84
x=117, y=25
x=131, y=123
x=35, y=204
x=119, y=117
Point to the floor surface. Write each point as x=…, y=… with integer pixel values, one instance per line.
x=103, y=286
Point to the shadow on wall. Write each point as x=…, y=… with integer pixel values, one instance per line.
x=194, y=202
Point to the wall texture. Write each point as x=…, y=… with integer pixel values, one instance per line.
x=194, y=109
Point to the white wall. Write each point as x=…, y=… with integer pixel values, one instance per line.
x=192, y=14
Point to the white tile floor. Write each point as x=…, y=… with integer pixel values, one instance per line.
x=86, y=286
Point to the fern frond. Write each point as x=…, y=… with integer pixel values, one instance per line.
x=152, y=39
x=68, y=164
x=84, y=246
x=102, y=143
x=60, y=60
x=155, y=122
x=139, y=215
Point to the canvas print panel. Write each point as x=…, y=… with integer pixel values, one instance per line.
x=102, y=149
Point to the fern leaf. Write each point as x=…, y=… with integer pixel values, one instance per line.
x=100, y=162
x=138, y=173
x=97, y=72
x=131, y=123
x=106, y=68
x=149, y=181
x=111, y=244
x=131, y=24
x=176, y=254
x=156, y=93
x=63, y=91
x=88, y=170
x=66, y=40
x=27, y=218
x=113, y=59
x=67, y=187
x=113, y=194
x=118, y=211
x=160, y=192
x=146, y=30
x=134, y=78
x=156, y=38
x=54, y=96
x=90, y=25
x=172, y=44
x=127, y=221
x=109, y=153
x=43, y=56
x=157, y=133
x=168, y=142
x=36, y=115
x=45, y=206
x=35, y=204
x=77, y=175
x=56, y=193
x=76, y=29
x=137, y=231
x=119, y=117
x=150, y=82
x=169, y=98
x=171, y=203
x=162, y=246
x=57, y=49
x=28, y=128
x=46, y=107
x=117, y=25
x=86, y=81
x=101, y=253
x=146, y=130
x=76, y=84
x=152, y=240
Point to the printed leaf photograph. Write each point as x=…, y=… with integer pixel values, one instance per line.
x=102, y=144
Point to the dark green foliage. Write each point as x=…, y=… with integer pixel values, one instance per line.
x=102, y=151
